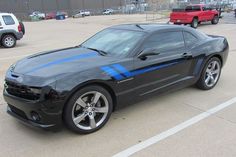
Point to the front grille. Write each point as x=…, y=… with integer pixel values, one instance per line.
x=21, y=91
x=18, y=111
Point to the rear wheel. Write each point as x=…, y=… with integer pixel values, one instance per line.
x=8, y=41
x=194, y=23
x=88, y=110
x=215, y=20
x=210, y=74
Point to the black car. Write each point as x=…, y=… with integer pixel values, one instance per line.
x=82, y=85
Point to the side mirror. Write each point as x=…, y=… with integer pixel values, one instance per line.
x=148, y=52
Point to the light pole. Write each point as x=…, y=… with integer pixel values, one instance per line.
x=103, y=4
x=42, y=3
x=83, y=4
x=57, y=5
x=27, y=5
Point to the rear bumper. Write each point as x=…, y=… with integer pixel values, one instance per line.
x=181, y=21
x=19, y=35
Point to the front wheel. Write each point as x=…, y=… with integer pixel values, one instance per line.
x=210, y=74
x=215, y=20
x=88, y=110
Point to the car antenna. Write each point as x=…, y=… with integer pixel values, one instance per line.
x=139, y=26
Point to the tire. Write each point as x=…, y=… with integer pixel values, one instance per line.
x=8, y=41
x=84, y=116
x=210, y=74
x=215, y=20
x=194, y=23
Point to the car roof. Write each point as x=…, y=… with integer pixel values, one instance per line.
x=1, y=13
x=148, y=27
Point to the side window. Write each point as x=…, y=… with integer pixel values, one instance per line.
x=166, y=42
x=8, y=20
x=190, y=39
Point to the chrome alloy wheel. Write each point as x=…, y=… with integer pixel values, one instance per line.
x=90, y=110
x=9, y=41
x=212, y=73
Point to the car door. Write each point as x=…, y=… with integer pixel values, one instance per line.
x=169, y=66
x=204, y=13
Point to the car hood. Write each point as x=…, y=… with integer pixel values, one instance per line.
x=59, y=62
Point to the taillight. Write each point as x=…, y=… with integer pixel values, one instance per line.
x=19, y=28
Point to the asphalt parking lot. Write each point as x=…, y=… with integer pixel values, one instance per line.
x=212, y=136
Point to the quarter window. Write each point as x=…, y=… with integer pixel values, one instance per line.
x=190, y=39
x=166, y=42
x=8, y=20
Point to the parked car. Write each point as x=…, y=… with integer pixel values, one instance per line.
x=194, y=15
x=38, y=14
x=11, y=30
x=62, y=13
x=84, y=13
x=234, y=9
x=108, y=12
x=78, y=15
x=50, y=15
x=81, y=86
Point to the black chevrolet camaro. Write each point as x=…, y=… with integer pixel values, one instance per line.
x=81, y=86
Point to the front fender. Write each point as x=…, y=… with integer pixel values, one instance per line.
x=70, y=83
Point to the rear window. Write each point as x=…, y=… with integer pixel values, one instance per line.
x=166, y=42
x=8, y=20
x=192, y=8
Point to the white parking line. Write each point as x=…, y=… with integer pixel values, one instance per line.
x=174, y=130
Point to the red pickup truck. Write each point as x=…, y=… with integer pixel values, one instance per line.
x=194, y=15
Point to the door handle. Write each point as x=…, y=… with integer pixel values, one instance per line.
x=1, y=27
x=187, y=55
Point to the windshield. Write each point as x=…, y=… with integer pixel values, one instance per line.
x=114, y=42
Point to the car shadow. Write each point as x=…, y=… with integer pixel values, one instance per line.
x=18, y=45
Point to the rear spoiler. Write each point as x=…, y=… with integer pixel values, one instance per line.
x=215, y=36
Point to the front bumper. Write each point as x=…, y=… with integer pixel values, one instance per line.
x=49, y=113
x=27, y=121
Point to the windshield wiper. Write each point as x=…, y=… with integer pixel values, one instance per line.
x=103, y=53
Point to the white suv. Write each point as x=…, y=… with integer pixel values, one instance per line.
x=10, y=30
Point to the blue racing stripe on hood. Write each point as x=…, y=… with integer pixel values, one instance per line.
x=64, y=60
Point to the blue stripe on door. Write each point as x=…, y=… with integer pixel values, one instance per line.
x=115, y=68
x=123, y=70
x=112, y=73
